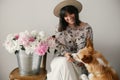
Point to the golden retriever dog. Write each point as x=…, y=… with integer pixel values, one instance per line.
x=95, y=63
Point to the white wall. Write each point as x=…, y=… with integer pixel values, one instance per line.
x=21, y=15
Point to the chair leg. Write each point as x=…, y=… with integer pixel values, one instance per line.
x=46, y=78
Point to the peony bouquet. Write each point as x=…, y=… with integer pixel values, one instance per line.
x=30, y=42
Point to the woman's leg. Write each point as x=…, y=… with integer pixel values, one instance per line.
x=61, y=69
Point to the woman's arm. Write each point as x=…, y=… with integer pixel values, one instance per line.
x=58, y=46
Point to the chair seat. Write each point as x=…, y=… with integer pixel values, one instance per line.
x=15, y=75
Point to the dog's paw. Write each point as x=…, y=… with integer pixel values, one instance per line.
x=84, y=77
x=90, y=76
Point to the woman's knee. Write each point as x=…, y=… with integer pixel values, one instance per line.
x=59, y=61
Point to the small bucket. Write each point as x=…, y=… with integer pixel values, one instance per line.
x=28, y=64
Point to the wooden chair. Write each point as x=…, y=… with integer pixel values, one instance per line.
x=14, y=75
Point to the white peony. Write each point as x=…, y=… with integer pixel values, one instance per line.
x=25, y=41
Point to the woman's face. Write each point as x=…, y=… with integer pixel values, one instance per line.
x=70, y=18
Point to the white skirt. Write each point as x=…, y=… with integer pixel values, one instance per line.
x=61, y=69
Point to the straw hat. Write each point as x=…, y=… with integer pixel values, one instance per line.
x=74, y=3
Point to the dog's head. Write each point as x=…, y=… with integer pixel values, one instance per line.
x=85, y=54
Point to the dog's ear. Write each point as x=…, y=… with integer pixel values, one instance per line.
x=89, y=45
x=87, y=59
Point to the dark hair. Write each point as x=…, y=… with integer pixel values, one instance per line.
x=67, y=9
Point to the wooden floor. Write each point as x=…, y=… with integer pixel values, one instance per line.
x=14, y=75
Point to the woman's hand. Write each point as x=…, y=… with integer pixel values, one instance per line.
x=69, y=57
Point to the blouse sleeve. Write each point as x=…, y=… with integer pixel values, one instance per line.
x=58, y=46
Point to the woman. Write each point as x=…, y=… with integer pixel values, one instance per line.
x=71, y=37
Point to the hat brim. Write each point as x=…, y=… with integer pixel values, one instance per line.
x=74, y=3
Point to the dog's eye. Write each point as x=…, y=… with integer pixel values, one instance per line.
x=85, y=56
x=87, y=59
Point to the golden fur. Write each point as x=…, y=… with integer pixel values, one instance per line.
x=96, y=64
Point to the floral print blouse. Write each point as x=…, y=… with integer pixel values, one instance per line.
x=72, y=40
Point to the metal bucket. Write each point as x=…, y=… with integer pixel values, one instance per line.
x=28, y=64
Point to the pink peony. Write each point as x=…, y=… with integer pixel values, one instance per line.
x=17, y=36
x=24, y=40
x=31, y=39
x=41, y=49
